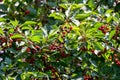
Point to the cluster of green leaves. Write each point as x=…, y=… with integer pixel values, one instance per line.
x=64, y=39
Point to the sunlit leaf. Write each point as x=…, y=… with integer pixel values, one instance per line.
x=82, y=16
x=57, y=15
x=112, y=34
x=17, y=36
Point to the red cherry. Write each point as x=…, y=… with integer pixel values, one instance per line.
x=53, y=70
x=11, y=41
x=18, y=39
x=3, y=40
x=63, y=33
x=103, y=26
x=71, y=27
x=11, y=35
x=33, y=51
x=27, y=12
x=115, y=55
x=68, y=31
x=99, y=28
x=45, y=57
x=37, y=47
x=104, y=32
x=52, y=47
x=28, y=50
x=1, y=0
x=93, y=51
x=63, y=55
x=116, y=60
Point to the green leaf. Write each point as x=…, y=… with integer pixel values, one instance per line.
x=91, y=3
x=65, y=6
x=98, y=46
x=108, y=11
x=3, y=7
x=2, y=19
x=14, y=23
x=35, y=38
x=29, y=23
x=57, y=15
x=26, y=28
x=41, y=74
x=98, y=24
x=76, y=6
x=109, y=19
x=52, y=33
x=116, y=19
x=33, y=11
x=8, y=60
x=82, y=16
x=1, y=31
x=93, y=63
x=17, y=36
x=111, y=34
x=76, y=22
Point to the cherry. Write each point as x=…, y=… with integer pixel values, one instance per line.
x=1, y=0
x=3, y=40
x=17, y=39
x=27, y=12
x=53, y=70
x=115, y=55
x=104, y=32
x=19, y=48
x=71, y=28
x=68, y=31
x=83, y=48
x=116, y=60
x=112, y=49
x=99, y=28
x=110, y=57
x=45, y=57
x=93, y=51
x=88, y=78
x=33, y=51
x=118, y=63
x=37, y=47
x=63, y=33
x=52, y=47
x=11, y=35
x=10, y=45
x=28, y=49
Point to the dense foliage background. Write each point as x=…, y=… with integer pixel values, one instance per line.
x=60, y=40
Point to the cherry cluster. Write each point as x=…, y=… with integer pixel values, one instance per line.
x=88, y=78
x=33, y=50
x=116, y=36
x=56, y=46
x=117, y=61
x=53, y=70
x=1, y=0
x=65, y=31
x=104, y=29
